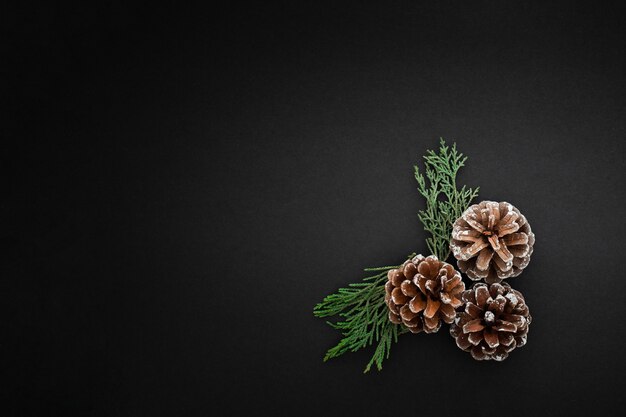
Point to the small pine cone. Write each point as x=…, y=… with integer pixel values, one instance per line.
x=495, y=321
x=492, y=241
x=423, y=293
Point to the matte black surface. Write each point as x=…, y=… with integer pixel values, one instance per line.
x=186, y=184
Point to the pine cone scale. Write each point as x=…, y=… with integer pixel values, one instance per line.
x=505, y=326
x=417, y=304
x=475, y=338
x=516, y=239
x=463, y=342
x=409, y=289
x=450, y=284
x=398, y=297
x=394, y=318
x=473, y=310
x=432, y=306
x=448, y=313
x=484, y=257
x=406, y=313
x=491, y=338
x=506, y=339
x=473, y=326
x=482, y=295
x=409, y=269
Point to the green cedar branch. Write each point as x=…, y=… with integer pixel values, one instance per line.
x=362, y=317
x=444, y=201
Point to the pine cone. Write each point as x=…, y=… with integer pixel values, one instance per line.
x=423, y=293
x=495, y=321
x=492, y=241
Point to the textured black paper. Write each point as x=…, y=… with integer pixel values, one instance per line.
x=185, y=184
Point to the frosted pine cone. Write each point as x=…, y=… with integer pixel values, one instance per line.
x=495, y=321
x=423, y=293
x=492, y=241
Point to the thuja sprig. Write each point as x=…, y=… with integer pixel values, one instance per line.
x=444, y=201
x=362, y=317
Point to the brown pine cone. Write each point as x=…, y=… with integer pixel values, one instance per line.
x=492, y=241
x=495, y=321
x=423, y=293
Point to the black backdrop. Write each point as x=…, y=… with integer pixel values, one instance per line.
x=185, y=184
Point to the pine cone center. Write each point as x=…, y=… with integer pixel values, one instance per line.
x=490, y=318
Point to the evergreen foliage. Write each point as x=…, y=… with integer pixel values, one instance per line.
x=444, y=202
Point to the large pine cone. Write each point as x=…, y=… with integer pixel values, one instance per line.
x=492, y=241
x=423, y=293
x=495, y=321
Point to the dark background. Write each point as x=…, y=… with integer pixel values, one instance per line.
x=184, y=184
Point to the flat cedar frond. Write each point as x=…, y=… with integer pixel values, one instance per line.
x=363, y=317
x=444, y=201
